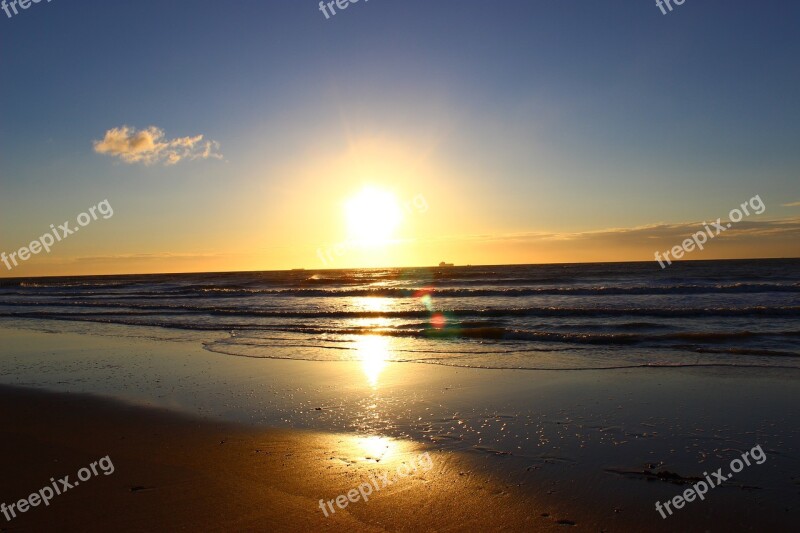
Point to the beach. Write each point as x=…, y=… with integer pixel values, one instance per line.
x=179, y=473
x=254, y=444
x=416, y=267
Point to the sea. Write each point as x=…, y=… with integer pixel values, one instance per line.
x=743, y=313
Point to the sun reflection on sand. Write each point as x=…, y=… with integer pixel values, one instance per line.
x=377, y=448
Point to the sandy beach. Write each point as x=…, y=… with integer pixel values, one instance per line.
x=260, y=458
x=179, y=473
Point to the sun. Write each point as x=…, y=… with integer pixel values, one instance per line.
x=373, y=215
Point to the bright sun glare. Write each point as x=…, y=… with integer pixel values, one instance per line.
x=372, y=216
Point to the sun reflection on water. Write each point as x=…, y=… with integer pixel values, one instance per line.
x=372, y=351
x=372, y=303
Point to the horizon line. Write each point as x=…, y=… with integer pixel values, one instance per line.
x=300, y=269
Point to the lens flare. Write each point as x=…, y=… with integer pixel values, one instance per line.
x=438, y=320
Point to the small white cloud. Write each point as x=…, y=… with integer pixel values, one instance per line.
x=149, y=146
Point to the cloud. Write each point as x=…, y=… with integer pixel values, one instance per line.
x=149, y=146
x=792, y=204
x=746, y=239
x=780, y=228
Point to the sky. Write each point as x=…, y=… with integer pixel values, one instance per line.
x=240, y=135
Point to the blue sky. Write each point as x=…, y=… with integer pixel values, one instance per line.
x=529, y=116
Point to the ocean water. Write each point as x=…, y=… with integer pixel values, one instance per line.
x=570, y=316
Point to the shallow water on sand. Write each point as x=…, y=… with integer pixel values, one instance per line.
x=596, y=436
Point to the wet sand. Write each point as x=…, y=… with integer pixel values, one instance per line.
x=174, y=472
x=203, y=440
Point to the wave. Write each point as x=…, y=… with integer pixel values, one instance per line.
x=501, y=333
x=784, y=311
x=664, y=365
x=399, y=292
x=456, y=330
x=406, y=292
